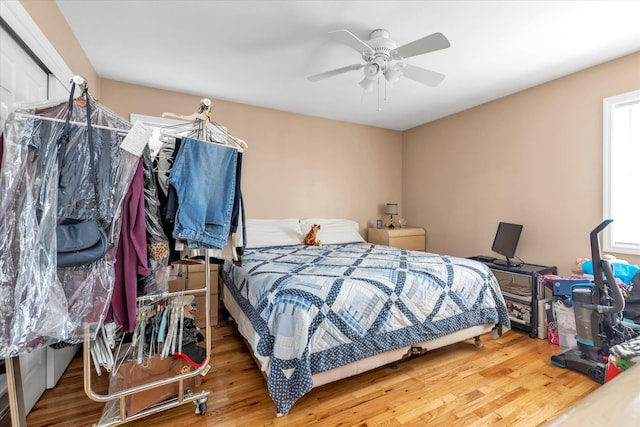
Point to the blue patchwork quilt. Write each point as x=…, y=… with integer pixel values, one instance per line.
x=316, y=308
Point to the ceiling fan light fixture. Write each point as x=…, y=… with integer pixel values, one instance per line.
x=368, y=84
x=378, y=53
x=392, y=75
x=372, y=70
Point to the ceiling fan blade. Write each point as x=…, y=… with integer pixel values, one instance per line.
x=331, y=73
x=435, y=41
x=351, y=40
x=427, y=77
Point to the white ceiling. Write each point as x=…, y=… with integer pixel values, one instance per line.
x=260, y=52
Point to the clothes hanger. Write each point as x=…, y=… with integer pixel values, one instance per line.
x=202, y=114
x=239, y=142
x=191, y=125
x=199, y=125
x=178, y=129
x=217, y=129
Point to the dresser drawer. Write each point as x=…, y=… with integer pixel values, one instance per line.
x=411, y=238
x=413, y=243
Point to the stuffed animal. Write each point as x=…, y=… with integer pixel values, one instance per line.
x=310, y=238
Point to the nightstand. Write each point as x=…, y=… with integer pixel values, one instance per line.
x=412, y=238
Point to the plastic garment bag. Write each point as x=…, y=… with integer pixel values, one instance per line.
x=41, y=304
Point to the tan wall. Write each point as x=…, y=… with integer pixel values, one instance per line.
x=533, y=158
x=296, y=166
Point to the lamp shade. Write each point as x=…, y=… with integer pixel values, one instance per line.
x=392, y=209
x=393, y=75
x=368, y=84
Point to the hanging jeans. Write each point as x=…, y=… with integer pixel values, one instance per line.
x=204, y=176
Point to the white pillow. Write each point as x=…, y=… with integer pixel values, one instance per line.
x=333, y=231
x=263, y=233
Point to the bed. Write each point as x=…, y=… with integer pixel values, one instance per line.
x=315, y=314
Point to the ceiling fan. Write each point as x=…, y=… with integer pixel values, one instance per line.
x=380, y=51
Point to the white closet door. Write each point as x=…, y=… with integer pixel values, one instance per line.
x=57, y=89
x=22, y=80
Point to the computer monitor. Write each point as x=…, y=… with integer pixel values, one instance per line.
x=506, y=242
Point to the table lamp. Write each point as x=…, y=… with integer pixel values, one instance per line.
x=392, y=209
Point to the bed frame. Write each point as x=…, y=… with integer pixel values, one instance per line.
x=247, y=332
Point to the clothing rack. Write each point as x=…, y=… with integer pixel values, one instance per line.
x=52, y=119
x=14, y=386
x=199, y=125
x=199, y=398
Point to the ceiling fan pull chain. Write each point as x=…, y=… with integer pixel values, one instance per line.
x=385, y=90
x=379, y=107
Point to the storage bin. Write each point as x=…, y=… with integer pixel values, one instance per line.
x=566, y=324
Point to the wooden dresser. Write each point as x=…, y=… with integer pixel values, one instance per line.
x=412, y=238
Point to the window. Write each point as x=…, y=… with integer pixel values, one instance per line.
x=621, y=189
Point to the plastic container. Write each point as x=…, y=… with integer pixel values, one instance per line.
x=581, y=302
x=566, y=324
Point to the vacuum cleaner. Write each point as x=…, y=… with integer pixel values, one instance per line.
x=598, y=308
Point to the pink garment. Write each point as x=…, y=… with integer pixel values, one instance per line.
x=131, y=256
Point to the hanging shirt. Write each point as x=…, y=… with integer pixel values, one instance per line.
x=131, y=256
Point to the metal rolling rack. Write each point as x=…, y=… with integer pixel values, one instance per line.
x=201, y=124
x=199, y=398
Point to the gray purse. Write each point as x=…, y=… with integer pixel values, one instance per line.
x=80, y=242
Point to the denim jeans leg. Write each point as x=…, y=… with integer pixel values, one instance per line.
x=204, y=176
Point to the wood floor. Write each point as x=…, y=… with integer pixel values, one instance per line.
x=508, y=382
